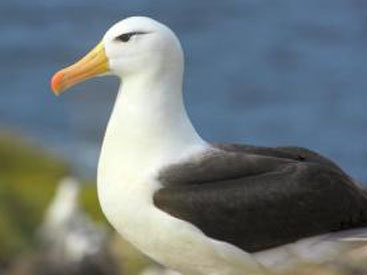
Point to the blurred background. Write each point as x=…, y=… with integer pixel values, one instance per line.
x=263, y=72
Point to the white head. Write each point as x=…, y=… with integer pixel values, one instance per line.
x=140, y=44
x=148, y=58
x=132, y=47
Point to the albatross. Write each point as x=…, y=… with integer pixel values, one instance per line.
x=195, y=207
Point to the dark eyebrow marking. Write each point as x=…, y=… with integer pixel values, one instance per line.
x=125, y=37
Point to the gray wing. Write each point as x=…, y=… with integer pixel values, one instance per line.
x=258, y=198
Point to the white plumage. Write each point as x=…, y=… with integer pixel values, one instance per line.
x=148, y=129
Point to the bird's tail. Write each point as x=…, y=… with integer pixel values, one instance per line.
x=316, y=250
x=353, y=235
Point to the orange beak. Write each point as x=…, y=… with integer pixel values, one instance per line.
x=93, y=64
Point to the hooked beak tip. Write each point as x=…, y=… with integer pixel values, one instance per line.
x=56, y=82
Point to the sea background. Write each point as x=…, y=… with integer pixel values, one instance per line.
x=259, y=72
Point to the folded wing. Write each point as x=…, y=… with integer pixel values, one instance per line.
x=258, y=198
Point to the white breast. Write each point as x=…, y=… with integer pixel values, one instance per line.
x=126, y=184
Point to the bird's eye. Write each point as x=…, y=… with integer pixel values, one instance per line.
x=125, y=37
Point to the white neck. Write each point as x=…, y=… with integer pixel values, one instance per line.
x=149, y=124
x=148, y=129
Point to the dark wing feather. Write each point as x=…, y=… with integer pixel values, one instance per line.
x=285, y=152
x=263, y=200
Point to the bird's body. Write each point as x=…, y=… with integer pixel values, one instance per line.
x=126, y=191
x=196, y=207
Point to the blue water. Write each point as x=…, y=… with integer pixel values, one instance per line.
x=289, y=72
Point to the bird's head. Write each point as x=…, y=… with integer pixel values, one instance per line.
x=131, y=47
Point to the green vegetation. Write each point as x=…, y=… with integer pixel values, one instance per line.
x=89, y=202
x=28, y=178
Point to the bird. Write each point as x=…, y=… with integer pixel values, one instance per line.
x=70, y=242
x=198, y=207
x=67, y=230
x=67, y=241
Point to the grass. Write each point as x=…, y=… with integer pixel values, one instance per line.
x=28, y=177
